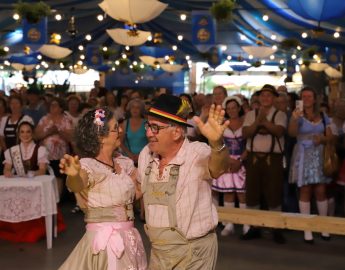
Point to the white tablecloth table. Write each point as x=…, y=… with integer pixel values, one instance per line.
x=23, y=199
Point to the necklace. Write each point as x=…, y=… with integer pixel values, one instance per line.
x=106, y=164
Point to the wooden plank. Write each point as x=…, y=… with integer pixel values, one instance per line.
x=292, y=221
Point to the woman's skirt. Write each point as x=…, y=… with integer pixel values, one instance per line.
x=307, y=165
x=231, y=182
x=108, y=247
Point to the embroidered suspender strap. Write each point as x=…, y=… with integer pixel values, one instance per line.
x=147, y=177
x=17, y=160
x=162, y=193
x=171, y=192
x=273, y=137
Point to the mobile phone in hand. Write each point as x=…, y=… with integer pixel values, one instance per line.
x=299, y=105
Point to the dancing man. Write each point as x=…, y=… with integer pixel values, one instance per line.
x=176, y=177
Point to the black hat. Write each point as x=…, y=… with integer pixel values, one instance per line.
x=171, y=108
x=269, y=88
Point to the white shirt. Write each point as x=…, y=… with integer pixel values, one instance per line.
x=262, y=143
x=42, y=155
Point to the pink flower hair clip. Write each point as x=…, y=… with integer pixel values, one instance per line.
x=99, y=117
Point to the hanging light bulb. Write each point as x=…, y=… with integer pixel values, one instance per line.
x=183, y=17
x=16, y=16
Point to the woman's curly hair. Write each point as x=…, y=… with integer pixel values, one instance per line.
x=88, y=134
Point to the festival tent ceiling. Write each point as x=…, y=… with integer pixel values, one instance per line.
x=267, y=22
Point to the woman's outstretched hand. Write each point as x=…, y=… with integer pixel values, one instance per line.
x=70, y=165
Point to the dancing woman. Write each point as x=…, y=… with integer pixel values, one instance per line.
x=105, y=187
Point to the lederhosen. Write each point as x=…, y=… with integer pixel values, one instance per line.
x=10, y=132
x=170, y=248
x=264, y=174
x=20, y=165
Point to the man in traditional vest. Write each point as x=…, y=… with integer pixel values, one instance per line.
x=264, y=129
x=175, y=177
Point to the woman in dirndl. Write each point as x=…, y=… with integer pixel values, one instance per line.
x=105, y=187
x=232, y=183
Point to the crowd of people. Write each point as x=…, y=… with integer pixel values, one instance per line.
x=181, y=156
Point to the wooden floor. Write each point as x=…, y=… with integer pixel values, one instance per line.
x=234, y=254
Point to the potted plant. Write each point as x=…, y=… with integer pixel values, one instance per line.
x=222, y=10
x=3, y=52
x=107, y=54
x=32, y=12
x=289, y=43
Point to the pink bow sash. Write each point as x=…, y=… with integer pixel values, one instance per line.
x=108, y=237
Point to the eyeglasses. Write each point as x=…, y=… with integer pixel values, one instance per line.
x=155, y=128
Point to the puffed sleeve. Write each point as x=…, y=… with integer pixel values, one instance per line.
x=94, y=175
x=42, y=155
x=8, y=159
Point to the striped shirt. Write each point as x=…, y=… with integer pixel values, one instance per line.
x=195, y=212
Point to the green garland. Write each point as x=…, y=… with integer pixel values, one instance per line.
x=222, y=10
x=289, y=43
x=32, y=12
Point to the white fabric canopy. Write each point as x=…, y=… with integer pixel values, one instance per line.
x=133, y=11
x=18, y=66
x=54, y=51
x=125, y=37
x=333, y=73
x=258, y=51
x=171, y=68
x=318, y=66
x=150, y=60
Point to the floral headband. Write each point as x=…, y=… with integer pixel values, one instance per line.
x=99, y=118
